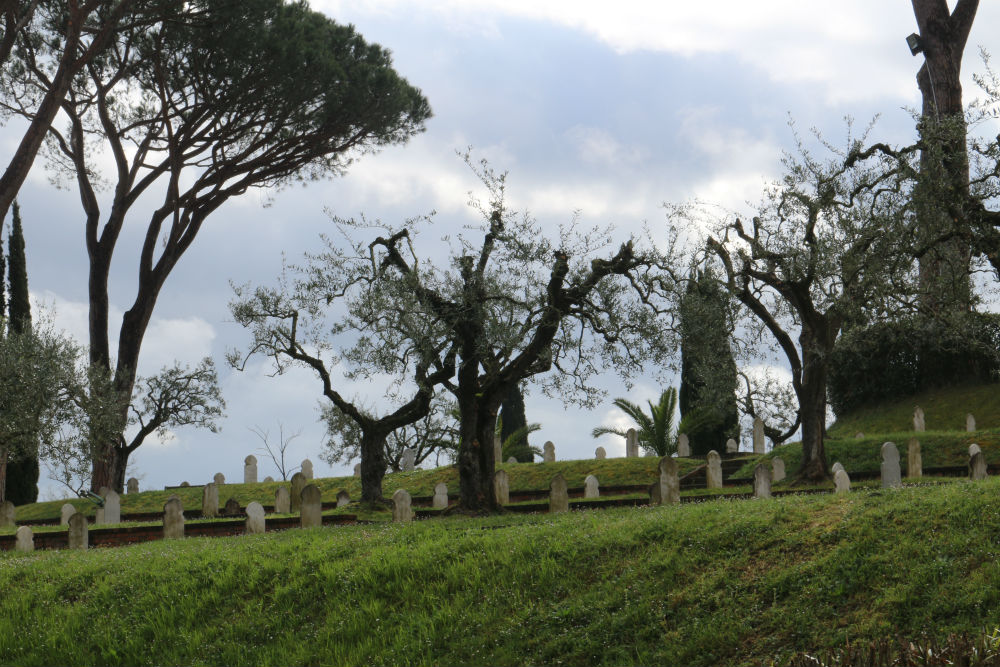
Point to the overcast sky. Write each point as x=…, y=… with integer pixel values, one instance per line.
x=607, y=108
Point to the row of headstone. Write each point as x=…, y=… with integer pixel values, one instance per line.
x=920, y=423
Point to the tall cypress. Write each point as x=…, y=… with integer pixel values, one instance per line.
x=23, y=472
x=512, y=418
x=707, y=394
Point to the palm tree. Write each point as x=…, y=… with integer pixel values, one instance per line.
x=656, y=430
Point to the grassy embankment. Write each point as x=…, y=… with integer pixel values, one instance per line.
x=731, y=582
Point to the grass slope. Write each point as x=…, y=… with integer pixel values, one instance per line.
x=725, y=582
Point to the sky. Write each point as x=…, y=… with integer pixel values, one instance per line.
x=609, y=109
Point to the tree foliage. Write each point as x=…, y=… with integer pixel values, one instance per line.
x=657, y=431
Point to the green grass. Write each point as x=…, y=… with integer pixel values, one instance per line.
x=725, y=582
x=523, y=477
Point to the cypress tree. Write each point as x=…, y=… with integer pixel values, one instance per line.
x=22, y=472
x=707, y=394
x=512, y=418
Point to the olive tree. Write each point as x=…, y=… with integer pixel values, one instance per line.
x=193, y=111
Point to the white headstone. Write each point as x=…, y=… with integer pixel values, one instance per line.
x=841, y=481
x=732, y=447
x=255, y=518
x=591, y=488
x=713, y=471
x=112, y=507
x=977, y=467
x=758, y=435
x=914, y=461
x=761, y=481
x=25, y=539
x=282, y=500
x=974, y=449
x=210, y=500
x=683, y=445
x=307, y=469
x=250, y=470
x=970, y=423
x=343, y=498
x=401, y=509
x=440, y=496
x=133, y=485
x=777, y=469
x=173, y=518
x=66, y=512
x=99, y=516
x=668, y=481
x=548, y=452
x=891, y=476
x=501, y=487
x=558, y=494
x=918, y=419
x=599, y=453
x=631, y=443
x=408, y=460
x=78, y=538
x=311, y=507
x=835, y=467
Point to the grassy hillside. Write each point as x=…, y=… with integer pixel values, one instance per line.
x=523, y=476
x=734, y=582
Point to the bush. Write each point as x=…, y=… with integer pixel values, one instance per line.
x=890, y=360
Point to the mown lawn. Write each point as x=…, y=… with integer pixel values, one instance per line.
x=733, y=582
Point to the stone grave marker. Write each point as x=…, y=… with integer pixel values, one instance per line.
x=977, y=467
x=761, y=481
x=401, y=506
x=970, y=423
x=440, y=496
x=78, y=538
x=669, y=481
x=501, y=487
x=210, y=501
x=713, y=471
x=343, y=498
x=311, y=512
x=298, y=483
x=307, y=469
x=558, y=494
x=497, y=449
x=777, y=469
x=232, y=508
x=914, y=462
x=511, y=459
x=66, y=512
x=112, y=507
x=256, y=523
x=835, y=467
x=758, y=435
x=282, y=501
x=250, y=470
x=591, y=488
x=631, y=443
x=918, y=419
x=219, y=479
x=600, y=453
x=841, y=482
x=859, y=435
x=185, y=484
x=408, y=460
x=732, y=447
x=974, y=449
x=25, y=539
x=548, y=452
x=7, y=512
x=683, y=445
x=357, y=470
x=173, y=518
x=268, y=479
x=132, y=485
x=891, y=477
x=99, y=516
